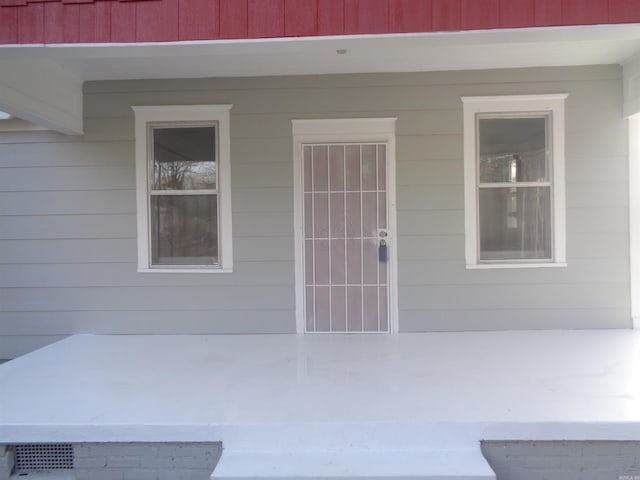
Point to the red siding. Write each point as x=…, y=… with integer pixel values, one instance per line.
x=198, y=19
x=62, y=23
x=517, y=13
x=233, y=18
x=266, y=18
x=300, y=18
x=480, y=14
x=587, y=12
x=157, y=21
x=366, y=16
x=622, y=11
x=548, y=12
x=72, y=21
x=446, y=15
x=95, y=22
x=331, y=17
x=123, y=22
x=31, y=24
x=410, y=15
x=8, y=25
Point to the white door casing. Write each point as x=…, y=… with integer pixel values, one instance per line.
x=373, y=139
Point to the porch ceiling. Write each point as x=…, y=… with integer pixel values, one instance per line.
x=585, y=45
x=42, y=84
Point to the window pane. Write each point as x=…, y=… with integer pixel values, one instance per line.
x=513, y=149
x=184, y=230
x=184, y=158
x=515, y=223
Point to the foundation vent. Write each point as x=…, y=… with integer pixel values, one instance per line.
x=35, y=457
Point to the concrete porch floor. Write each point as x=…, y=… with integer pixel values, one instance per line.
x=307, y=393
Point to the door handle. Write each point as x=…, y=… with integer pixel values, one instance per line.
x=383, y=251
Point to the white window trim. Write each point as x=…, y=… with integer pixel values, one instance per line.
x=144, y=115
x=510, y=104
x=344, y=130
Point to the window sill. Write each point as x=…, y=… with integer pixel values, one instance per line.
x=185, y=270
x=493, y=266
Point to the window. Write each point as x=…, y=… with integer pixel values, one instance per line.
x=514, y=181
x=183, y=188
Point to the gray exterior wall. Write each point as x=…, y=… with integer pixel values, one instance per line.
x=68, y=223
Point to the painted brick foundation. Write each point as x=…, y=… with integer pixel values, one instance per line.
x=6, y=462
x=564, y=460
x=135, y=461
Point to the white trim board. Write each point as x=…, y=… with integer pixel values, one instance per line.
x=344, y=130
x=515, y=104
x=634, y=218
x=144, y=115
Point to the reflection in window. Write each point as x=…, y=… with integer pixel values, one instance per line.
x=514, y=196
x=183, y=195
x=184, y=158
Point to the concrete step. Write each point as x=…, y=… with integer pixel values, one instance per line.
x=350, y=465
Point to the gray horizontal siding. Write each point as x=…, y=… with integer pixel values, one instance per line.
x=479, y=319
x=67, y=211
x=509, y=296
x=109, y=275
x=453, y=272
x=603, y=247
x=524, y=75
x=18, y=325
x=101, y=250
x=190, y=298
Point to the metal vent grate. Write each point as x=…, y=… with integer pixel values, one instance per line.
x=37, y=457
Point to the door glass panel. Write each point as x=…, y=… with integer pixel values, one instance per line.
x=321, y=215
x=354, y=262
x=338, y=262
x=321, y=262
x=310, y=309
x=354, y=309
x=382, y=296
x=320, y=169
x=354, y=215
x=369, y=168
x=370, y=302
x=338, y=214
x=352, y=155
x=308, y=170
x=347, y=207
x=382, y=210
x=322, y=308
x=336, y=167
x=382, y=167
x=370, y=214
x=338, y=309
x=370, y=262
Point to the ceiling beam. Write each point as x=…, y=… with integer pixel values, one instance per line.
x=42, y=92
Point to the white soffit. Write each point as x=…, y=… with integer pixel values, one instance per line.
x=558, y=46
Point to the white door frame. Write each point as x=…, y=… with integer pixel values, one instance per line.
x=344, y=130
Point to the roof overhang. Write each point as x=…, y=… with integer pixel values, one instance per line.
x=64, y=67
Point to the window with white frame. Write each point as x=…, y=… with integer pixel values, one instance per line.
x=514, y=181
x=183, y=188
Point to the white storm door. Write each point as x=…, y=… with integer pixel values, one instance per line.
x=346, y=243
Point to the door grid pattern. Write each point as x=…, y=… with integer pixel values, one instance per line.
x=345, y=210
